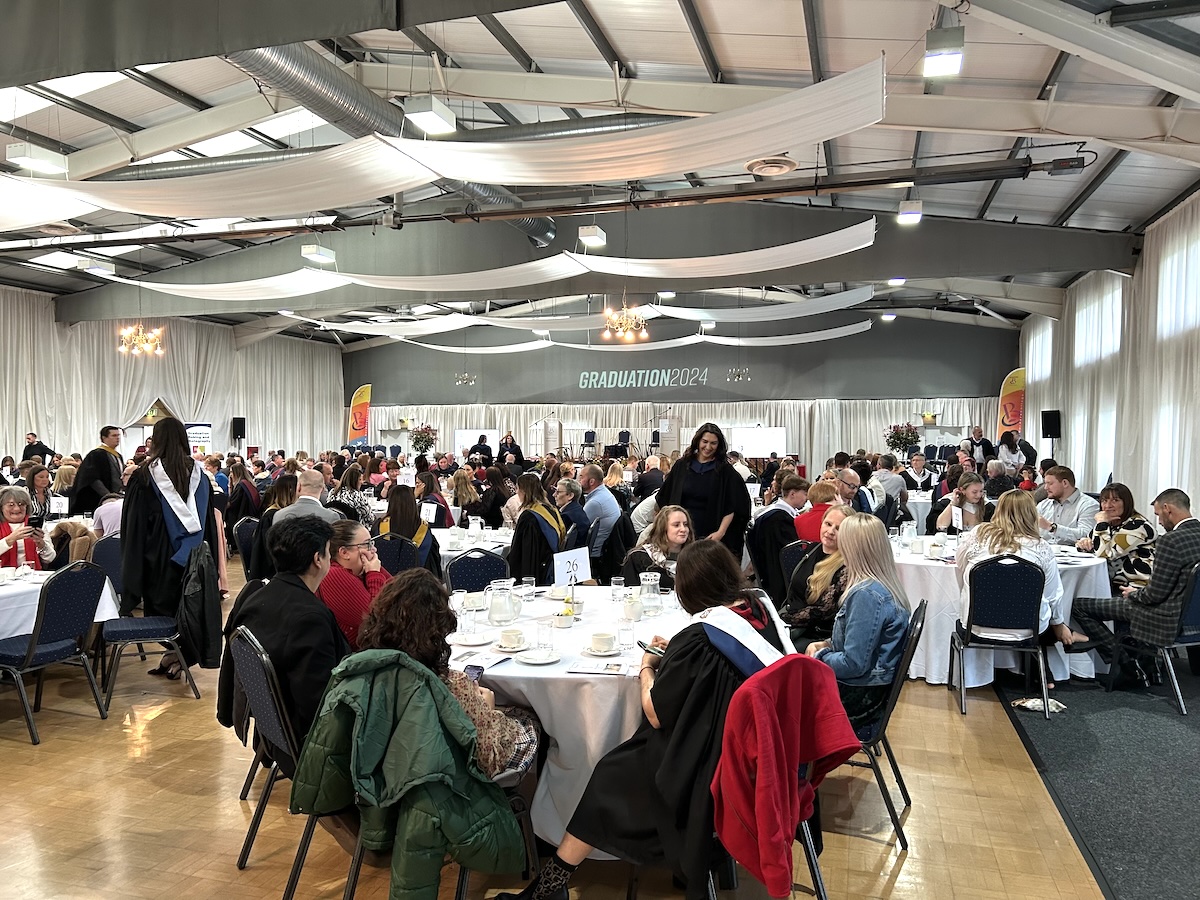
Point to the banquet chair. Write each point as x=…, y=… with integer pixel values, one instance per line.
x=121, y=632
x=790, y=556
x=347, y=511
x=396, y=553
x=1188, y=636
x=475, y=569
x=509, y=781
x=571, y=537
x=106, y=553
x=888, y=511
x=874, y=734
x=243, y=536
x=1005, y=592
x=66, y=609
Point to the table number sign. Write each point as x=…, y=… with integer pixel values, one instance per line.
x=572, y=567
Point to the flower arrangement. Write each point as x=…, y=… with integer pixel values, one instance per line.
x=423, y=437
x=900, y=437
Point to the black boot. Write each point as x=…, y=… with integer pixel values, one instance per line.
x=1155, y=671
x=551, y=883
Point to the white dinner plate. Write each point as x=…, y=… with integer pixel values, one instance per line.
x=524, y=645
x=470, y=640
x=539, y=658
x=588, y=651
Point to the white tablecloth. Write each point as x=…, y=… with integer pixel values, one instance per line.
x=19, y=604
x=583, y=716
x=491, y=540
x=379, y=510
x=919, y=504
x=937, y=582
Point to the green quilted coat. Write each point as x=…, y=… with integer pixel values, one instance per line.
x=391, y=738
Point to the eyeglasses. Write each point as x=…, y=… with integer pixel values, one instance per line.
x=369, y=543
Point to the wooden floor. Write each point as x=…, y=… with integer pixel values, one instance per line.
x=145, y=805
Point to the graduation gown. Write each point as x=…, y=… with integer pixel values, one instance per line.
x=773, y=531
x=532, y=550
x=261, y=564
x=98, y=466
x=728, y=495
x=150, y=577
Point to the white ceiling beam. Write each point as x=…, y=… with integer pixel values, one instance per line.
x=1121, y=50
x=998, y=290
x=248, y=333
x=957, y=318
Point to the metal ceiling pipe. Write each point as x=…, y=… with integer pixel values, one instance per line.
x=316, y=84
x=204, y=166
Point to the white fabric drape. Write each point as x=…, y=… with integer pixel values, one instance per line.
x=816, y=429
x=374, y=166
x=791, y=308
x=31, y=398
x=300, y=283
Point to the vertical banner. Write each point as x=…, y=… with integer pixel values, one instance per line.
x=360, y=407
x=1012, y=403
x=200, y=438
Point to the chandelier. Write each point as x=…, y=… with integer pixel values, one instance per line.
x=463, y=378
x=137, y=341
x=738, y=373
x=627, y=323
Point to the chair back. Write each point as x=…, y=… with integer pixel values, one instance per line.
x=347, y=511
x=1006, y=592
x=396, y=553
x=106, y=553
x=592, y=529
x=623, y=437
x=570, y=537
x=1189, y=617
x=243, y=536
x=254, y=670
x=475, y=570
x=886, y=512
x=790, y=556
x=589, y=437
x=67, y=605
x=912, y=637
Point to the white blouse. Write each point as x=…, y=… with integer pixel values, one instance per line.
x=971, y=553
x=1012, y=459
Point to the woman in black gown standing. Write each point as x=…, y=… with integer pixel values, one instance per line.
x=703, y=483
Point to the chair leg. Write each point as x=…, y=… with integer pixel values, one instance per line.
x=727, y=879
x=710, y=888
x=91, y=677
x=814, y=867
x=520, y=809
x=1166, y=661
x=254, y=764
x=117, y=649
x=887, y=801
x=141, y=652
x=37, y=695
x=19, y=679
x=301, y=852
x=187, y=673
x=631, y=886
x=1114, y=668
x=463, y=883
x=887, y=748
x=962, y=680
x=355, y=868
x=1041, y=658
x=950, y=668
x=252, y=831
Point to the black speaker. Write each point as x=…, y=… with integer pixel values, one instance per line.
x=1051, y=423
x=238, y=427
x=654, y=435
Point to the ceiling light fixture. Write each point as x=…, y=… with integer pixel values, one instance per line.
x=136, y=341
x=666, y=295
x=285, y=312
x=708, y=324
x=888, y=317
x=315, y=253
x=738, y=373
x=592, y=236
x=626, y=322
x=36, y=159
x=909, y=212
x=463, y=379
x=896, y=282
x=96, y=267
x=430, y=114
x=943, y=52
x=542, y=332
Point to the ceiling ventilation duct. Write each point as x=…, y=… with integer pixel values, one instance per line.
x=770, y=166
x=321, y=87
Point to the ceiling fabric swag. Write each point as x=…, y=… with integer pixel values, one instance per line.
x=768, y=312
x=802, y=118
x=456, y=321
x=538, y=271
x=274, y=287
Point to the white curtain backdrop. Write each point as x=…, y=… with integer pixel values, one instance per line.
x=289, y=391
x=816, y=429
x=1121, y=364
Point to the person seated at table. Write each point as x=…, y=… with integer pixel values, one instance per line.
x=1067, y=513
x=391, y=477
x=8, y=469
x=464, y=496
x=615, y=482
x=403, y=517
x=649, y=480
x=868, y=632
x=1014, y=529
x=428, y=493
x=884, y=482
x=998, y=480
x=850, y=491
x=355, y=577
x=244, y=498
x=658, y=549
x=1027, y=478
x=1123, y=536
x=567, y=494
x=948, y=482
x=106, y=520
x=20, y=544
x=967, y=496
x=280, y=495
x=916, y=476
x=309, y=486
x=37, y=483
x=538, y=534
x=817, y=584
x=643, y=514
x=821, y=495
x=498, y=493
x=375, y=474
x=1044, y=466
x=649, y=800
x=64, y=481
x=349, y=492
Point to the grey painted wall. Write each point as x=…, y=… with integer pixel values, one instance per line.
x=904, y=358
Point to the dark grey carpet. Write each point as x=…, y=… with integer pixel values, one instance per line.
x=1125, y=769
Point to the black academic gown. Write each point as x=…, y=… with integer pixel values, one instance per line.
x=531, y=553
x=261, y=563
x=774, y=530
x=648, y=800
x=637, y=562
x=97, y=476
x=149, y=575
x=729, y=496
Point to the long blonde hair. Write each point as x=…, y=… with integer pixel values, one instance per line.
x=1015, y=517
x=864, y=545
x=464, y=492
x=64, y=478
x=615, y=476
x=826, y=570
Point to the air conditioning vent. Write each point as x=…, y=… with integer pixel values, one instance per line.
x=59, y=229
x=771, y=165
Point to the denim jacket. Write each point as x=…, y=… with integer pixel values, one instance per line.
x=868, y=636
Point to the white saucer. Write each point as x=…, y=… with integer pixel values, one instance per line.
x=541, y=658
x=588, y=651
x=470, y=640
x=524, y=645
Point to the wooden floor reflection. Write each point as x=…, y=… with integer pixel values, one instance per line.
x=145, y=805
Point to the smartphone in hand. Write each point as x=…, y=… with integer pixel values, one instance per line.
x=657, y=651
x=36, y=522
x=473, y=673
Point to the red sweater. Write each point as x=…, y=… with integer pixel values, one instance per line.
x=349, y=597
x=788, y=715
x=808, y=524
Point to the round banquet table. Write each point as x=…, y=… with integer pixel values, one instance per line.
x=583, y=716
x=919, y=504
x=19, y=603
x=937, y=582
x=495, y=541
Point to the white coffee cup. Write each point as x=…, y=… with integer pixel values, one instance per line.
x=917, y=546
x=933, y=551
x=603, y=642
x=512, y=637
x=633, y=609
x=558, y=593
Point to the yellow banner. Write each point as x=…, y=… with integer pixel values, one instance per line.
x=360, y=408
x=1012, y=403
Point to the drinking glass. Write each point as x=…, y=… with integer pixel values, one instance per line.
x=545, y=636
x=618, y=588
x=625, y=635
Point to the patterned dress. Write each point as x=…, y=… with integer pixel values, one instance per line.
x=1129, y=549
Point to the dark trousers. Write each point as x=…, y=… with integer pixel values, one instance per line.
x=1092, y=612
